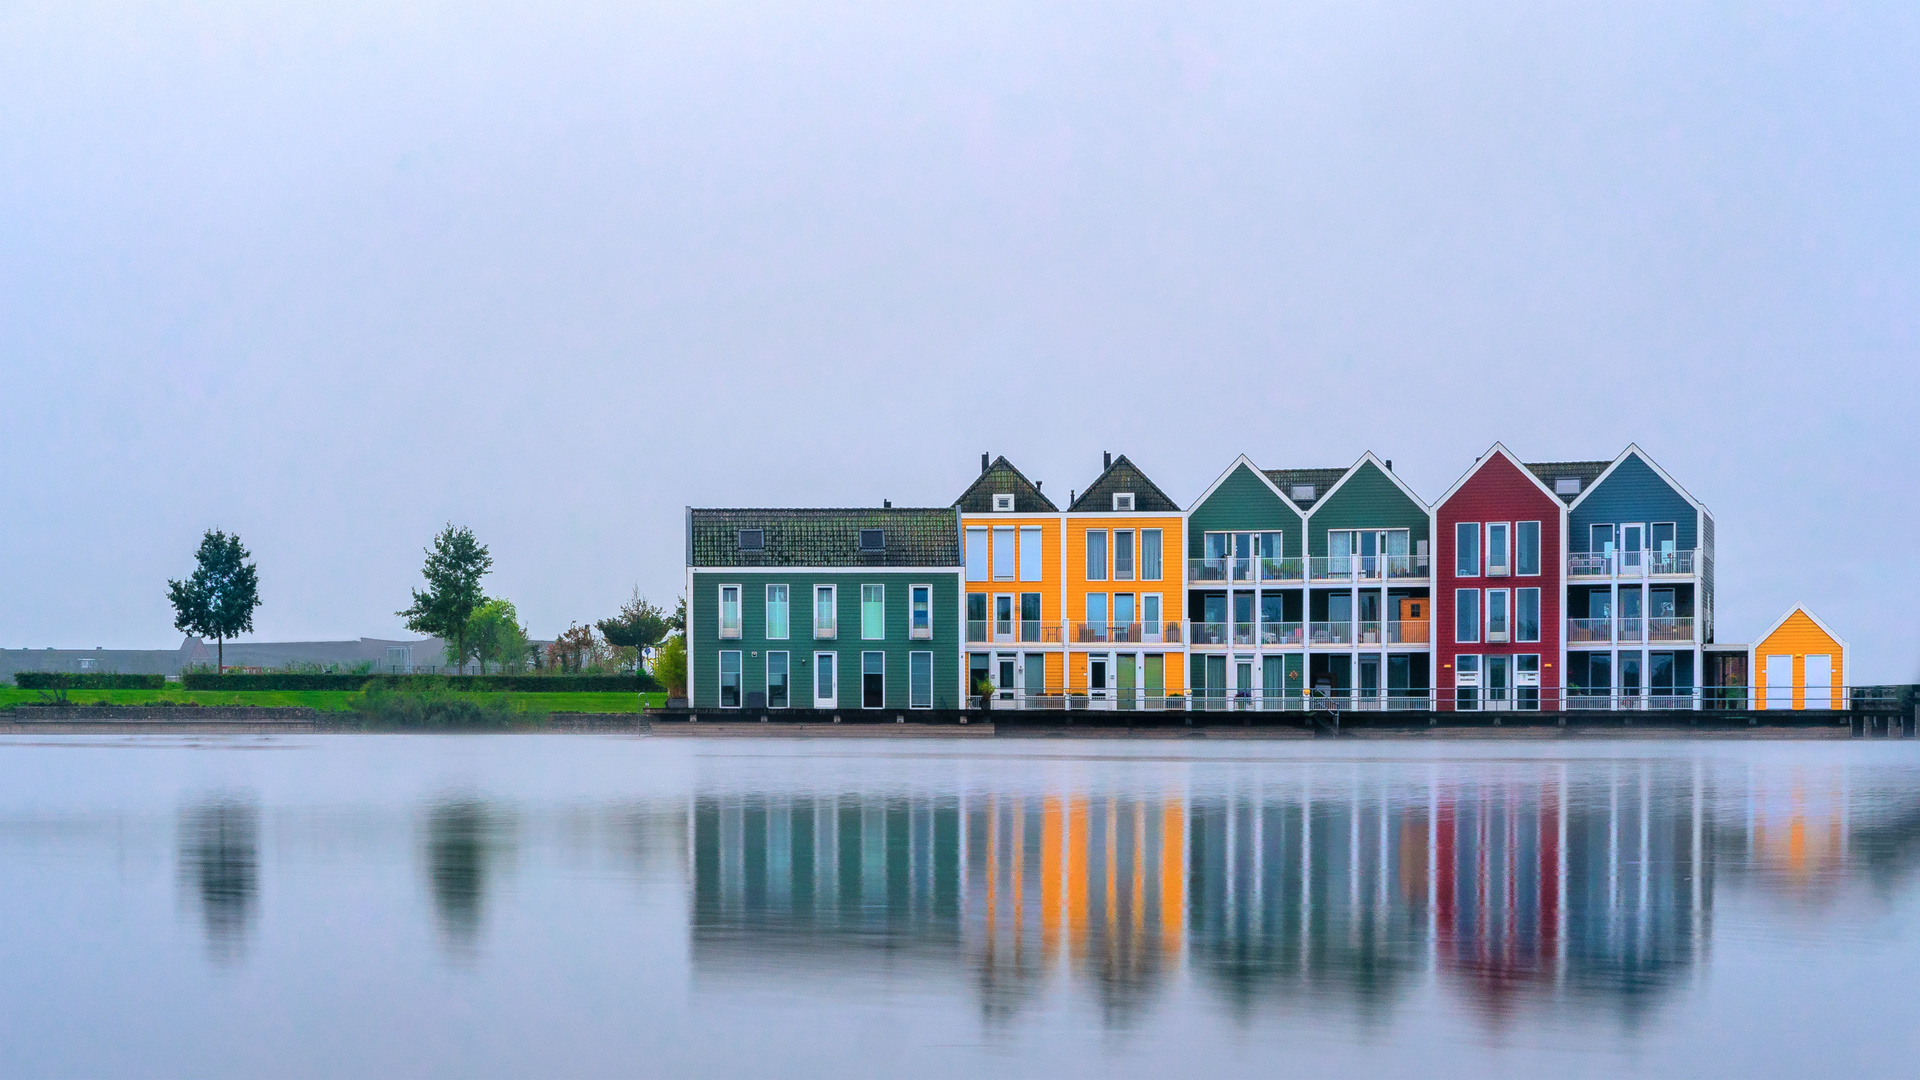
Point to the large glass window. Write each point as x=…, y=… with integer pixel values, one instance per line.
x=1497, y=614
x=776, y=613
x=1004, y=552
x=729, y=611
x=976, y=616
x=873, y=680
x=1527, y=553
x=1097, y=616
x=920, y=613
x=920, y=680
x=1033, y=554
x=1466, y=615
x=1096, y=554
x=1150, y=555
x=1526, y=615
x=1123, y=555
x=1030, y=616
x=825, y=693
x=730, y=678
x=824, y=621
x=1466, y=549
x=1497, y=564
x=976, y=554
x=777, y=697
x=873, y=612
x=1466, y=681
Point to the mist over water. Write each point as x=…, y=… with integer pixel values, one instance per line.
x=521, y=905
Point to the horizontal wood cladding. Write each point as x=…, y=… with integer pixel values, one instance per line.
x=1242, y=503
x=1368, y=500
x=1048, y=586
x=1799, y=637
x=1171, y=583
x=1498, y=491
x=1634, y=493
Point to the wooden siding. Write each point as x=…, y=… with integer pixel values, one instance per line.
x=1368, y=500
x=1633, y=494
x=1499, y=491
x=703, y=674
x=1172, y=585
x=1243, y=503
x=1049, y=584
x=1798, y=637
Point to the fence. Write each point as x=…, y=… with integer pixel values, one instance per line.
x=1460, y=699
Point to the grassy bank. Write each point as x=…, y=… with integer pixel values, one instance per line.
x=322, y=700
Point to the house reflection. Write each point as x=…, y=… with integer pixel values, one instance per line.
x=466, y=839
x=220, y=867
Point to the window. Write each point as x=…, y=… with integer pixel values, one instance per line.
x=1527, y=681
x=1466, y=615
x=729, y=611
x=730, y=678
x=873, y=612
x=1497, y=565
x=1003, y=552
x=1466, y=549
x=776, y=613
x=777, y=695
x=1150, y=555
x=1123, y=555
x=1123, y=502
x=873, y=680
x=1033, y=554
x=1150, y=614
x=1096, y=554
x=873, y=539
x=1466, y=681
x=1527, y=557
x=1302, y=493
x=826, y=694
x=1526, y=615
x=1097, y=616
x=753, y=539
x=920, y=611
x=823, y=612
x=920, y=680
x=1566, y=485
x=1003, y=504
x=1497, y=614
x=1661, y=536
x=976, y=616
x=1029, y=616
x=976, y=554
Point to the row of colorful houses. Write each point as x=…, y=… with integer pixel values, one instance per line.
x=1525, y=586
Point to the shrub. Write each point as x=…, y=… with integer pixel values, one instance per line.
x=89, y=680
x=524, y=684
x=388, y=707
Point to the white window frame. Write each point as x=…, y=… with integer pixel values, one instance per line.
x=882, y=654
x=1005, y=545
x=1033, y=553
x=1479, y=548
x=739, y=614
x=881, y=633
x=785, y=604
x=739, y=672
x=1003, y=504
x=1499, y=637
x=919, y=596
x=833, y=682
x=1106, y=560
x=1466, y=600
x=833, y=605
x=768, y=677
x=1539, y=549
x=1133, y=554
x=1160, y=558
x=1461, y=662
x=1127, y=498
x=1539, y=615
x=984, y=571
x=914, y=658
x=1505, y=529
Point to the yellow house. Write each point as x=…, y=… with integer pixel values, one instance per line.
x=1124, y=585
x=1014, y=623
x=1799, y=664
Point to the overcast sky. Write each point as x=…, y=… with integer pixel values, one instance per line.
x=332, y=275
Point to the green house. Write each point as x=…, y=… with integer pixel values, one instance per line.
x=830, y=610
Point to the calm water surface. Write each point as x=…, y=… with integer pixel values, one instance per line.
x=576, y=905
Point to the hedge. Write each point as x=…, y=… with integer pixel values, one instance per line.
x=520, y=684
x=74, y=680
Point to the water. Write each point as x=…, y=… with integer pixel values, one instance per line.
x=577, y=905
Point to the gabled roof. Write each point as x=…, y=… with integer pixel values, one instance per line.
x=1321, y=480
x=1001, y=478
x=1350, y=471
x=1263, y=477
x=1633, y=450
x=1800, y=609
x=1586, y=471
x=1497, y=450
x=915, y=536
x=1124, y=475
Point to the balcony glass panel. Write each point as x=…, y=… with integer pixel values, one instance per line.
x=1243, y=569
x=1672, y=562
x=1406, y=566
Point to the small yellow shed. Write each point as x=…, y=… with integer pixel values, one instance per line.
x=1799, y=664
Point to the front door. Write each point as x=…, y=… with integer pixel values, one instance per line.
x=1243, y=682
x=1819, y=689
x=1632, y=540
x=1499, y=681
x=1779, y=682
x=1006, y=682
x=1099, y=690
x=1126, y=680
x=826, y=693
x=1369, y=680
x=1369, y=555
x=1034, y=676
x=1630, y=680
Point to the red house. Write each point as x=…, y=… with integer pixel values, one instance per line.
x=1499, y=556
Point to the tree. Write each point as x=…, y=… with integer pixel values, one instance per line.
x=455, y=564
x=679, y=620
x=217, y=601
x=576, y=649
x=670, y=667
x=639, y=625
x=496, y=635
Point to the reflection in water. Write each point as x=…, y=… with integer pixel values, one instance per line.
x=465, y=839
x=220, y=867
x=1304, y=885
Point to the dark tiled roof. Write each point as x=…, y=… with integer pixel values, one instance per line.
x=1001, y=478
x=1587, y=471
x=916, y=536
x=1321, y=479
x=1124, y=475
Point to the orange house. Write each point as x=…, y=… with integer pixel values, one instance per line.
x=1799, y=664
x=1014, y=625
x=1124, y=582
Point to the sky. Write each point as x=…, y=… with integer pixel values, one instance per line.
x=333, y=275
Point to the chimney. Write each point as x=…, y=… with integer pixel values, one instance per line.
x=1389, y=464
x=886, y=504
x=1106, y=459
x=1037, y=484
x=1069, y=496
x=983, y=462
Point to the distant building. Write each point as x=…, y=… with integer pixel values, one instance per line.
x=420, y=654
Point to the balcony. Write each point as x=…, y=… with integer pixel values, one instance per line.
x=1331, y=633
x=1369, y=632
x=1670, y=629
x=1661, y=563
x=1133, y=633
x=1282, y=569
x=1404, y=567
x=825, y=629
x=1282, y=633
x=1627, y=631
x=1206, y=633
x=1634, y=564
x=1589, y=631
x=1346, y=567
x=1409, y=632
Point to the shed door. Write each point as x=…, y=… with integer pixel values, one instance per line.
x=1819, y=694
x=1779, y=682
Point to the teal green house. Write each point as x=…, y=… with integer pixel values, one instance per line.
x=828, y=610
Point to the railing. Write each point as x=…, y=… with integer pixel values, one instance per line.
x=1294, y=569
x=1330, y=633
x=1282, y=633
x=1634, y=564
x=1592, y=631
x=1199, y=570
x=1496, y=700
x=1149, y=633
x=1627, y=629
x=1407, y=566
x=1206, y=633
x=1673, y=562
x=1409, y=632
x=1369, y=633
x=826, y=629
x=1014, y=632
x=977, y=630
x=1081, y=698
x=1670, y=629
x=1346, y=567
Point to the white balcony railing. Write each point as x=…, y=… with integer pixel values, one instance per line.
x=1589, y=631
x=1409, y=632
x=1330, y=633
x=1634, y=564
x=1670, y=629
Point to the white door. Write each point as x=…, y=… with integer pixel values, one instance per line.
x=1003, y=617
x=825, y=681
x=1097, y=686
x=1819, y=693
x=1779, y=682
x=1632, y=558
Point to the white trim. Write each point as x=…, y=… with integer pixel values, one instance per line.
x=928, y=653
x=1506, y=549
x=1487, y=631
x=1007, y=509
x=813, y=680
x=766, y=677
x=1481, y=461
x=720, y=610
x=958, y=570
x=1632, y=450
x=1782, y=621
x=1479, y=543
x=1540, y=617
x=1127, y=495
x=1479, y=619
x=1354, y=469
x=1540, y=555
x=813, y=611
x=766, y=633
x=882, y=654
x=720, y=675
x=1255, y=469
x=882, y=635
x=913, y=634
